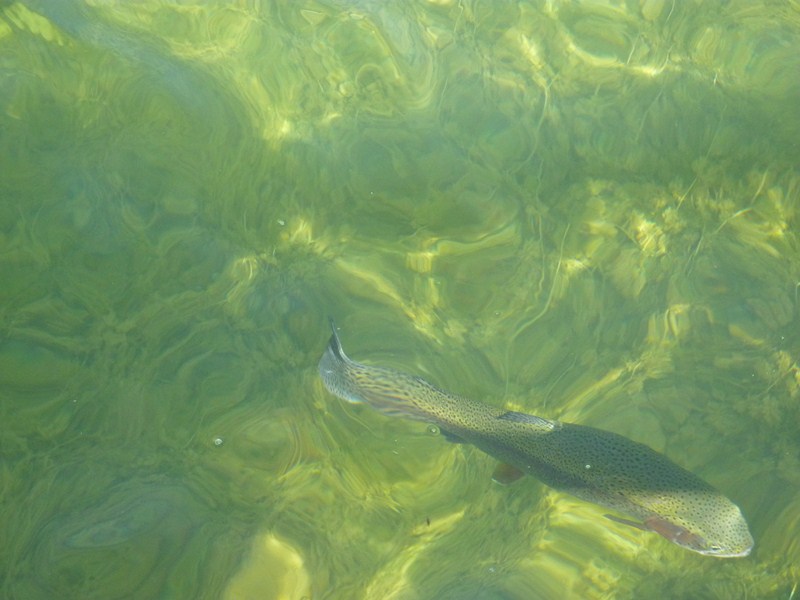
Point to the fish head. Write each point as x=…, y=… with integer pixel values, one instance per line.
x=709, y=526
x=729, y=535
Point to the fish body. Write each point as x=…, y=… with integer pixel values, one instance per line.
x=593, y=464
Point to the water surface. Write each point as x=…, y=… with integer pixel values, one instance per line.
x=582, y=210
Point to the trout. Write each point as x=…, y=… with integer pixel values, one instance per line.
x=652, y=492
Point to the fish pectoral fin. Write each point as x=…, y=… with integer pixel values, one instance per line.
x=635, y=524
x=506, y=474
x=675, y=533
x=670, y=531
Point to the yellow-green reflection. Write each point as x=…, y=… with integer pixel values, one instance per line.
x=584, y=210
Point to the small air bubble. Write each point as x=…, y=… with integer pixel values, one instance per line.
x=218, y=441
x=433, y=430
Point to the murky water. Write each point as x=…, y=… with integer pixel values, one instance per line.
x=581, y=210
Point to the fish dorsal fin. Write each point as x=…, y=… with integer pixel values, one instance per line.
x=506, y=474
x=537, y=422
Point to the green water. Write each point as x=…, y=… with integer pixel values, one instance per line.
x=581, y=210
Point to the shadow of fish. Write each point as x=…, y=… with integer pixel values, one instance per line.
x=592, y=464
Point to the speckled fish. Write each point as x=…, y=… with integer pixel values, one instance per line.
x=602, y=467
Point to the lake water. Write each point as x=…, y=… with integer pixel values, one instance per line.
x=583, y=210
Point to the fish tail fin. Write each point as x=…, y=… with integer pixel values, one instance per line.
x=333, y=369
x=386, y=390
x=335, y=345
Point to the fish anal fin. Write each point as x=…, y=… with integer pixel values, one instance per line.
x=635, y=524
x=506, y=474
x=451, y=437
